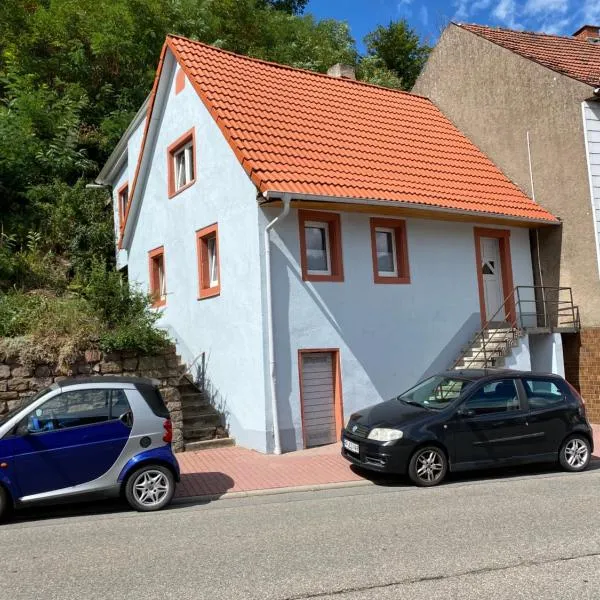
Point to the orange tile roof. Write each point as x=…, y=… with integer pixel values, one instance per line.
x=300, y=132
x=570, y=56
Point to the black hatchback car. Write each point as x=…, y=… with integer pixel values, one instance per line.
x=468, y=420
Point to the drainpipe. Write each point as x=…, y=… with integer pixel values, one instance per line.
x=271, y=341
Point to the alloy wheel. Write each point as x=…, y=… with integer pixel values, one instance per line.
x=430, y=465
x=576, y=453
x=150, y=488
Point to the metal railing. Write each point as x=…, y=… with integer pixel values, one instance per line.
x=553, y=309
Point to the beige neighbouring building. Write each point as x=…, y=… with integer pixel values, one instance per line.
x=529, y=101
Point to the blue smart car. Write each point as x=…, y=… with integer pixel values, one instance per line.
x=96, y=436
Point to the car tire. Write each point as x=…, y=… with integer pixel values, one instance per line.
x=150, y=488
x=428, y=466
x=575, y=453
x=5, y=504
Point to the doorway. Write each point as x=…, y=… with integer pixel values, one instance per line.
x=320, y=397
x=494, y=275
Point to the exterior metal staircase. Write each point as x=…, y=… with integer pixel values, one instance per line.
x=526, y=310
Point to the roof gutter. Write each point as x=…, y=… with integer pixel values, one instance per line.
x=270, y=332
x=272, y=195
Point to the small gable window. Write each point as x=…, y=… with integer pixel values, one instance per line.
x=182, y=167
x=123, y=200
x=320, y=246
x=158, y=280
x=207, y=240
x=390, y=251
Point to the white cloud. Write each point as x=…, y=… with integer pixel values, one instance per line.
x=590, y=12
x=543, y=7
x=555, y=27
x=424, y=15
x=466, y=8
x=402, y=3
x=506, y=12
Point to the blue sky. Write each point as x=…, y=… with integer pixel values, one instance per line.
x=429, y=17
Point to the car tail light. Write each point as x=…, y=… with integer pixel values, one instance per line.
x=168, y=436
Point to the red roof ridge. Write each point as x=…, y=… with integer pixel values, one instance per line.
x=290, y=68
x=468, y=26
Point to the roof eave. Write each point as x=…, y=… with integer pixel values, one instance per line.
x=119, y=154
x=276, y=194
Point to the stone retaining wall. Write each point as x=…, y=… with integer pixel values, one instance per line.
x=17, y=381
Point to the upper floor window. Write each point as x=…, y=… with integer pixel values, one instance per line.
x=320, y=246
x=158, y=280
x=390, y=251
x=182, y=163
x=123, y=200
x=207, y=240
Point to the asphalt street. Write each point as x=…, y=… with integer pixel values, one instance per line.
x=532, y=535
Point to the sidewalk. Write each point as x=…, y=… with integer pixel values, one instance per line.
x=220, y=471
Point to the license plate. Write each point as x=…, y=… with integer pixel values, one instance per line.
x=351, y=446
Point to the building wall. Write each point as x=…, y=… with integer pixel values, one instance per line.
x=495, y=96
x=389, y=336
x=227, y=328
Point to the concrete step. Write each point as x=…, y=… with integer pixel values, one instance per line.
x=209, y=444
x=206, y=420
x=201, y=432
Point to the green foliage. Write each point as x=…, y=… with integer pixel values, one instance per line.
x=372, y=69
x=400, y=50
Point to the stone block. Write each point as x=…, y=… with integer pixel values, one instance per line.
x=39, y=383
x=84, y=369
x=130, y=364
x=12, y=404
x=43, y=371
x=170, y=395
x=18, y=384
x=92, y=356
x=111, y=367
x=96, y=368
x=3, y=386
x=148, y=363
x=8, y=396
x=4, y=371
x=21, y=372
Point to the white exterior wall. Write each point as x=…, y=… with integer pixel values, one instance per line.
x=591, y=125
x=547, y=353
x=227, y=328
x=389, y=336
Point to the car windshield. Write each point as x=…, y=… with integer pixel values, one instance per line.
x=435, y=392
x=25, y=402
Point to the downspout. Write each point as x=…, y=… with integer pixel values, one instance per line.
x=271, y=337
x=537, y=237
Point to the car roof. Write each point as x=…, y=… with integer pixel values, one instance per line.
x=477, y=374
x=70, y=381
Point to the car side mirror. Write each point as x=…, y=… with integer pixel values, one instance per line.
x=465, y=412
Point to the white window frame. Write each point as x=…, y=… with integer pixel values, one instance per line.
x=123, y=195
x=318, y=225
x=392, y=231
x=187, y=151
x=213, y=261
x=162, y=280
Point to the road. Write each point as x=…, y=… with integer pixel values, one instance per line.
x=533, y=535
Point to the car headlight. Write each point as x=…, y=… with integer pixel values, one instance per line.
x=381, y=434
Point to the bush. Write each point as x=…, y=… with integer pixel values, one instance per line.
x=43, y=327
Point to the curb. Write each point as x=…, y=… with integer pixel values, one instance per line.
x=272, y=491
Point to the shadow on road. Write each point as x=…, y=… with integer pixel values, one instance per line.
x=191, y=485
x=389, y=480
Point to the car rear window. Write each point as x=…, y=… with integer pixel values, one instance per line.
x=542, y=393
x=155, y=401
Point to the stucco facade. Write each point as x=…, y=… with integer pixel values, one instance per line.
x=386, y=336
x=496, y=96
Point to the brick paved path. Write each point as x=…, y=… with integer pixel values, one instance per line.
x=221, y=470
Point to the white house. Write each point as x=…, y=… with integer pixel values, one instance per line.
x=323, y=243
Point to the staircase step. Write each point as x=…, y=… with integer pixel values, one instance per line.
x=204, y=432
x=208, y=444
x=206, y=420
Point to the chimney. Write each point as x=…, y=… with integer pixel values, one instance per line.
x=588, y=33
x=342, y=71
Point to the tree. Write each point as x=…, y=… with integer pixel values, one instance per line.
x=400, y=50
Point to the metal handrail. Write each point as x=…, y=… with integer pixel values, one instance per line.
x=513, y=313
